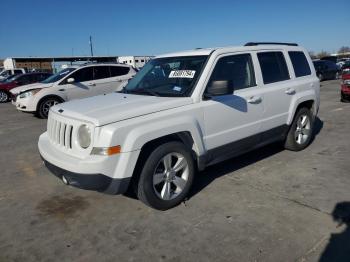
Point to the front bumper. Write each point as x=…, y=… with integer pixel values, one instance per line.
x=110, y=174
x=345, y=92
x=25, y=104
x=97, y=182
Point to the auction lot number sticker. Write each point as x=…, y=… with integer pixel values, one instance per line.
x=182, y=74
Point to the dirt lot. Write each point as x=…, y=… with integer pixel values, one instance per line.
x=268, y=205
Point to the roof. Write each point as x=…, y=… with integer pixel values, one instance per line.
x=208, y=51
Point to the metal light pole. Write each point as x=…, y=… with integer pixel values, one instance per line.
x=92, y=53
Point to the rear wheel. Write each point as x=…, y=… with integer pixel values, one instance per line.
x=166, y=176
x=320, y=76
x=301, y=130
x=45, y=105
x=4, y=97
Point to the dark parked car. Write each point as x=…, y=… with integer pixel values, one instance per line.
x=19, y=80
x=326, y=69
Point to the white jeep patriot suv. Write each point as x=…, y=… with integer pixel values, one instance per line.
x=180, y=113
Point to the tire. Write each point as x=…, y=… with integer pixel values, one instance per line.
x=300, y=133
x=342, y=99
x=156, y=186
x=45, y=105
x=320, y=76
x=4, y=97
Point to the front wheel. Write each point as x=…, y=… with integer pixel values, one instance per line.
x=166, y=177
x=4, y=97
x=45, y=105
x=301, y=131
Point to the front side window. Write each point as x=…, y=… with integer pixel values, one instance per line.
x=273, y=67
x=237, y=70
x=300, y=63
x=16, y=71
x=83, y=75
x=101, y=72
x=170, y=76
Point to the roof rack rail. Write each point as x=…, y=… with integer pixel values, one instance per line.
x=269, y=43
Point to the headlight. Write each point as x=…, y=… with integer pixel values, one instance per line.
x=29, y=93
x=346, y=82
x=84, y=136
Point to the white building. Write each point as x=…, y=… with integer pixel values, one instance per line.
x=135, y=61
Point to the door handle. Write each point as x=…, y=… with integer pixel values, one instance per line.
x=62, y=89
x=254, y=100
x=290, y=91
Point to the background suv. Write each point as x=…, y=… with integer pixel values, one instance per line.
x=72, y=83
x=19, y=80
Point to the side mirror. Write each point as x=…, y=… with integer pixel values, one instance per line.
x=70, y=80
x=219, y=88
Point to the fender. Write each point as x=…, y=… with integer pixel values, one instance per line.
x=140, y=135
x=297, y=100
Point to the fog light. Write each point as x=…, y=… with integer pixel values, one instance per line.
x=64, y=179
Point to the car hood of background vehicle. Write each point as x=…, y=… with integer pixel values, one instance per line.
x=7, y=86
x=105, y=109
x=21, y=89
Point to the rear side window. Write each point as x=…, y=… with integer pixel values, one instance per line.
x=237, y=70
x=273, y=67
x=119, y=70
x=101, y=72
x=300, y=63
x=17, y=71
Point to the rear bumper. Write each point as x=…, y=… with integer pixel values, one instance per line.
x=97, y=182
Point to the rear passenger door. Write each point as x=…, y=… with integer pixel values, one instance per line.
x=120, y=77
x=278, y=89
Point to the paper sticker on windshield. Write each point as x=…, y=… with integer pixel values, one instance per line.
x=182, y=74
x=177, y=88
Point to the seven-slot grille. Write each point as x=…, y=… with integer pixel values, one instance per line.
x=60, y=133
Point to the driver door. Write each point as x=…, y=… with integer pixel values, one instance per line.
x=233, y=121
x=82, y=86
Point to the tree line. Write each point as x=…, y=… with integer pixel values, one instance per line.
x=342, y=50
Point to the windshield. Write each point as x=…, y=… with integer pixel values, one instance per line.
x=171, y=76
x=11, y=78
x=58, y=76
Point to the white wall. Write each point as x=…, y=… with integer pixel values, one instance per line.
x=9, y=63
x=135, y=61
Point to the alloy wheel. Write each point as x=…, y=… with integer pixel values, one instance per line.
x=302, y=131
x=170, y=176
x=47, y=105
x=3, y=96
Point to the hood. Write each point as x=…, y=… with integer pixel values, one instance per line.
x=106, y=109
x=7, y=86
x=346, y=76
x=21, y=89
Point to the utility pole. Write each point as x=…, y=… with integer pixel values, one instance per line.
x=92, y=53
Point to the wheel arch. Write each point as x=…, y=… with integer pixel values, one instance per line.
x=46, y=97
x=308, y=102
